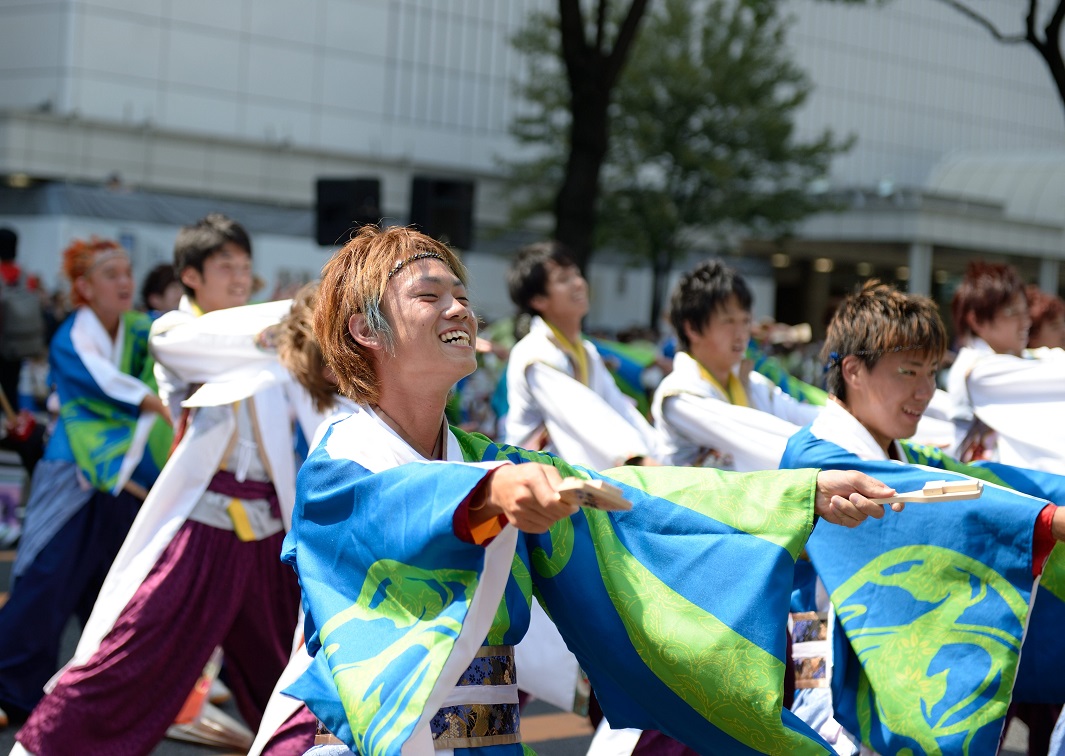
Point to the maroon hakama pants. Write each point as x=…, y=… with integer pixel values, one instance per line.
x=295, y=737
x=207, y=589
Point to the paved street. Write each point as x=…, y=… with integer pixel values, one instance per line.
x=549, y=731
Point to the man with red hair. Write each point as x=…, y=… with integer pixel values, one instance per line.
x=1047, y=313
x=107, y=449
x=1008, y=405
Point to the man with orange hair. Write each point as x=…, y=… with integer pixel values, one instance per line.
x=107, y=449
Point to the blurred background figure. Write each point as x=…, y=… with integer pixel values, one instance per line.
x=21, y=322
x=106, y=451
x=22, y=338
x=1047, y=313
x=161, y=291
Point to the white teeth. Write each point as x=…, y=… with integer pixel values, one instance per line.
x=452, y=337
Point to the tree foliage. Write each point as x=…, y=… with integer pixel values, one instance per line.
x=702, y=136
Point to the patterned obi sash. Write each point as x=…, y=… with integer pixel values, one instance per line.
x=226, y=484
x=481, y=710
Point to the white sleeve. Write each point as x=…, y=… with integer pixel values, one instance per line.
x=120, y=386
x=220, y=346
x=998, y=379
x=584, y=427
x=1019, y=397
x=788, y=408
x=755, y=439
x=621, y=403
x=172, y=389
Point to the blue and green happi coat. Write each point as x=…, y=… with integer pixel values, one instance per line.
x=676, y=609
x=1042, y=648
x=931, y=604
x=96, y=430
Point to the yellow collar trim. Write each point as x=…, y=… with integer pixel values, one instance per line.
x=735, y=393
x=575, y=352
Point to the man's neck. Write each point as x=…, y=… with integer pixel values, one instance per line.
x=415, y=417
x=887, y=444
x=720, y=375
x=109, y=322
x=570, y=329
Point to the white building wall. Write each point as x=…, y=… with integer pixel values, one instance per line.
x=254, y=98
x=412, y=81
x=430, y=82
x=914, y=80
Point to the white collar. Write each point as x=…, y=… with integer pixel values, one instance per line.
x=835, y=424
x=185, y=305
x=364, y=437
x=689, y=373
x=979, y=345
x=86, y=321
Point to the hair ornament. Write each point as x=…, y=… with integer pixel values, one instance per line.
x=835, y=358
x=417, y=256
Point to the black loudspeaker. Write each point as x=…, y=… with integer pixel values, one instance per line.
x=443, y=209
x=342, y=206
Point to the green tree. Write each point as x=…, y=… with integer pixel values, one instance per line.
x=582, y=57
x=702, y=133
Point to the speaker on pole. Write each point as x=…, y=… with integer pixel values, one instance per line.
x=342, y=205
x=443, y=209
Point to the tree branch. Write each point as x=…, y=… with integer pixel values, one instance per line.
x=1029, y=27
x=574, y=45
x=1053, y=30
x=626, y=34
x=985, y=22
x=600, y=26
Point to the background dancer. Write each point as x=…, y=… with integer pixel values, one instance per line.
x=711, y=411
x=107, y=448
x=561, y=396
x=920, y=594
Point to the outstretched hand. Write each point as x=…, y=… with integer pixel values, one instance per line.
x=152, y=403
x=843, y=497
x=525, y=494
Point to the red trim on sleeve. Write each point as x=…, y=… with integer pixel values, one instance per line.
x=1043, y=539
x=483, y=534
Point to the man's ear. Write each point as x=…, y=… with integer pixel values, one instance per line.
x=360, y=330
x=974, y=323
x=537, y=303
x=691, y=332
x=852, y=370
x=83, y=287
x=191, y=278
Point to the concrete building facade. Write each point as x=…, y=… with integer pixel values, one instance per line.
x=129, y=117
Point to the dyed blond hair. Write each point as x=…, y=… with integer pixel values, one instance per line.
x=299, y=351
x=78, y=259
x=876, y=320
x=354, y=281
